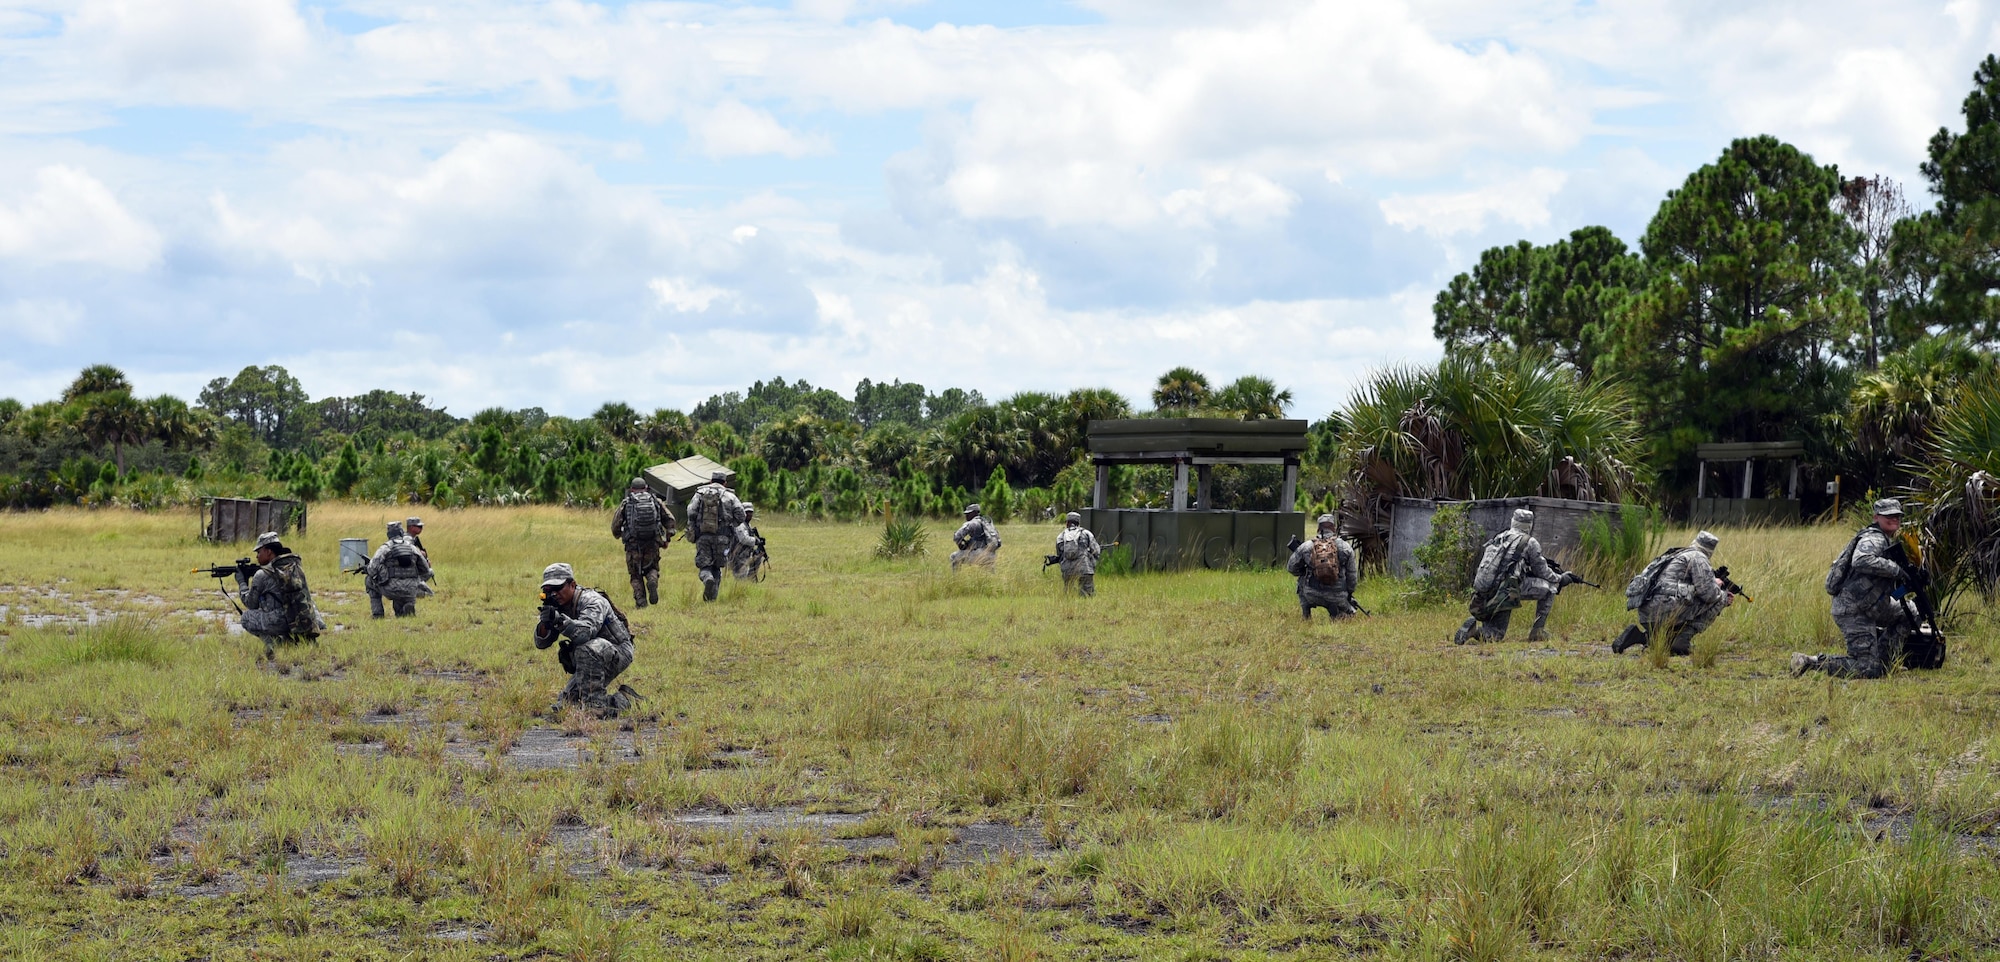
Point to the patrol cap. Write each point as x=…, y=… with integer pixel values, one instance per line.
x=1073, y=518
x=557, y=575
x=1523, y=516
x=972, y=508
x=1891, y=507
x=716, y=476
x=1327, y=519
x=413, y=522
x=748, y=507
x=1706, y=541
x=395, y=529
x=269, y=539
x=636, y=483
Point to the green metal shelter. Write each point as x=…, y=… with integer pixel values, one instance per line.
x=1193, y=532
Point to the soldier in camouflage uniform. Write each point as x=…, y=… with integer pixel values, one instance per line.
x=397, y=572
x=644, y=524
x=747, y=555
x=1678, y=599
x=712, y=516
x=413, y=529
x=277, y=602
x=1511, y=569
x=1866, y=582
x=977, y=539
x=1329, y=581
x=1077, y=552
x=595, y=642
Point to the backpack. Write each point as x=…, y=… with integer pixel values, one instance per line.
x=1505, y=596
x=1640, y=589
x=1069, y=544
x=642, y=518
x=1326, y=565
x=300, y=618
x=992, y=532
x=710, y=521
x=1836, y=576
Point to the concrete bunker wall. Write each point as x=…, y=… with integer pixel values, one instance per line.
x=1559, y=525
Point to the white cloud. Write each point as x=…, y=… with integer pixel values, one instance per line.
x=1231, y=195
x=684, y=296
x=71, y=217
x=201, y=51
x=1521, y=200
x=41, y=320
x=732, y=128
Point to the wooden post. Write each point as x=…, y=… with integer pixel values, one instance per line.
x=1180, y=485
x=1792, y=486
x=1101, y=491
x=1749, y=467
x=1701, y=480
x=1203, y=474
x=1288, y=496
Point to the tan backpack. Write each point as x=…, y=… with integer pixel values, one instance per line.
x=1326, y=563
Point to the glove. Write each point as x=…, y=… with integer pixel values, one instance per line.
x=1916, y=577
x=242, y=581
x=1293, y=545
x=1571, y=577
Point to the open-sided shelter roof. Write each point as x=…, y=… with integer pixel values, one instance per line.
x=1199, y=440
x=683, y=476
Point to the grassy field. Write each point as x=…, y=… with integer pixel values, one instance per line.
x=861, y=759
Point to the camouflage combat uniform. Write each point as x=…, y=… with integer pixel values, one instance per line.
x=397, y=572
x=644, y=524
x=596, y=647
x=1078, y=550
x=1684, y=601
x=1865, y=607
x=978, y=543
x=712, y=516
x=1337, y=598
x=277, y=604
x=1508, y=551
x=746, y=554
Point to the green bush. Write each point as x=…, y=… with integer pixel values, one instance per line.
x=1612, y=551
x=902, y=538
x=1448, y=556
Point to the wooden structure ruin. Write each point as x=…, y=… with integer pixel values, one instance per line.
x=1192, y=531
x=1747, y=483
x=243, y=519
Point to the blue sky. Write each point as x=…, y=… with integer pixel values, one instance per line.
x=560, y=204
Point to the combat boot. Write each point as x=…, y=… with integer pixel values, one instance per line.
x=653, y=589
x=1465, y=631
x=638, y=595
x=1633, y=636
x=1802, y=663
x=709, y=590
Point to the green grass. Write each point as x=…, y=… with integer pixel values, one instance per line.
x=1187, y=771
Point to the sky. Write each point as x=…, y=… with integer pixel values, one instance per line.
x=561, y=204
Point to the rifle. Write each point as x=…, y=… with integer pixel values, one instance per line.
x=243, y=566
x=1560, y=571
x=1918, y=582
x=1722, y=575
x=1050, y=559
x=545, y=599
x=1357, y=607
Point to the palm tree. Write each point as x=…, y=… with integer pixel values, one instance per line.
x=1254, y=398
x=179, y=426
x=96, y=379
x=1893, y=410
x=1181, y=389
x=115, y=418
x=1959, y=490
x=618, y=420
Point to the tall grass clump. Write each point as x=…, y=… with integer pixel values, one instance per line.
x=128, y=640
x=1613, y=548
x=902, y=538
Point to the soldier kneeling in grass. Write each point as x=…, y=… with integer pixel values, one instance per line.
x=1327, y=573
x=1677, y=597
x=277, y=603
x=595, y=642
x=1512, y=570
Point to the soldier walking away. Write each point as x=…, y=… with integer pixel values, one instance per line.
x=747, y=554
x=1327, y=572
x=644, y=524
x=1512, y=570
x=977, y=539
x=1867, y=582
x=277, y=602
x=1677, y=596
x=713, y=514
x=397, y=572
x=1077, y=552
x=413, y=528
x=593, y=639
